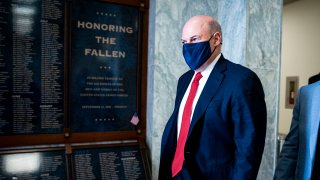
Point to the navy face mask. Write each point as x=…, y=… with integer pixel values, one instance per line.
x=196, y=54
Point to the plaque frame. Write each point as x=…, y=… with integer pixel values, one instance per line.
x=130, y=143
x=68, y=137
x=69, y=149
x=42, y=149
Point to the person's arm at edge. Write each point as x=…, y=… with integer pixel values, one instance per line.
x=288, y=156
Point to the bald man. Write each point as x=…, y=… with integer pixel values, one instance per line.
x=218, y=125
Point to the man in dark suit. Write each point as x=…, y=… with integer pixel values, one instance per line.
x=218, y=126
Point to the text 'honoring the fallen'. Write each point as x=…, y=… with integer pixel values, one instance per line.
x=104, y=40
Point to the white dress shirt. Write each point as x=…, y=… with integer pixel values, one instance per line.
x=205, y=75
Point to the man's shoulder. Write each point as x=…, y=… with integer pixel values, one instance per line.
x=238, y=71
x=313, y=88
x=187, y=74
x=238, y=67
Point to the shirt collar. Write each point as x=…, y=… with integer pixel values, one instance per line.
x=206, y=72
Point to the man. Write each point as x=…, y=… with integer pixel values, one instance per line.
x=217, y=129
x=300, y=154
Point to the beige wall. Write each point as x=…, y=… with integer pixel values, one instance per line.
x=300, y=54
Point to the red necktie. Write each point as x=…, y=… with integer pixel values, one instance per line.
x=185, y=124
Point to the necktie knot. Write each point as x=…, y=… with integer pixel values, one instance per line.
x=198, y=77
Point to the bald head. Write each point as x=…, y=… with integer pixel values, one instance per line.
x=202, y=26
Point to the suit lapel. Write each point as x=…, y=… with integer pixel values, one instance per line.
x=183, y=86
x=172, y=123
x=209, y=90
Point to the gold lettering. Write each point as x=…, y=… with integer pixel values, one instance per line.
x=105, y=53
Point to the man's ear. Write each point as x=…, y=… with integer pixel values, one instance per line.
x=217, y=38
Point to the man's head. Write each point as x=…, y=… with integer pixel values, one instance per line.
x=203, y=28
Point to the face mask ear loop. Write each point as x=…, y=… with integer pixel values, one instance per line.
x=213, y=50
x=211, y=37
x=214, y=46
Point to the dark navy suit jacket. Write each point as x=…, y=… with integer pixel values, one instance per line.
x=227, y=132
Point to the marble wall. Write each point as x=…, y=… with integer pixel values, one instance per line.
x=251, y=37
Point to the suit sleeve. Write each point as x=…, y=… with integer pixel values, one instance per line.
x=249, y=126
x=288, y=157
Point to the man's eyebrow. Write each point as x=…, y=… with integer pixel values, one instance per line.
x=194, y=36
